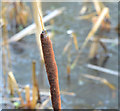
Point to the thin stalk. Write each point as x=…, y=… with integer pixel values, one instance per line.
x=91, y=33
x=34, y=97
x=5, y=40
x=67, y=46
x=75, y=40
x=27, y=94
x=10, y=86
x=94, y=48
x=104, y=47
x=38, y=22
x=35, y=83
x=102, y=80
x=4, y=66
x=97, y=6
x=14, y=83
x=69, y=62
x=88, y=16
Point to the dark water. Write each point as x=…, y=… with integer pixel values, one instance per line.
x=89, y=93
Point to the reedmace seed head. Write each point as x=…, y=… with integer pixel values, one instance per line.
x=44, y=34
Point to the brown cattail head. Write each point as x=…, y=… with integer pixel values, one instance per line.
x=51, y=69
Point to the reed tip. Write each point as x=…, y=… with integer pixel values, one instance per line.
x=44, y=34
x=34, y=62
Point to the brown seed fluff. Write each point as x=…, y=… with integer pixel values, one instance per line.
x=51, y=69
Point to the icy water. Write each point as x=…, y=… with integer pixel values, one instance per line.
x=89, y=94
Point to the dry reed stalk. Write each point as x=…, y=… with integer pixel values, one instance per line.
x=27, y=95
x=91, y=33
x=104, y=47
x=105, y=25
x=102, y=80
x=75, y=40
x=83, y=10
x=34, y=97
x=104, y=60
x=10, y=86
x=51, y=69
x=37, y=10
x=97, y=6
x=67, y=93
x=88, y=16
x=4, y=66
x=101, y=5
x=15, y=85
x=109, y=84
x=96, y=26
x=35, y=91
x=67, y=46
x=35, y=83
x=106, y=40
x=47, y=93
x=31, y=28
x=34, y=73
x=69, y=62
x=5, y=40
x=94, y=48
x=68, y=70
x=102, y=69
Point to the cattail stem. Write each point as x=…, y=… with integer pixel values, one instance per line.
x=51, y=69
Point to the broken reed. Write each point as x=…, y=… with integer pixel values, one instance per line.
x=102, y=80
x=51, y=69
x=10, y=86
x=69, y=62
x=94, y=48
x=95, y=27
x=75, y=40
x=13, y=85
x=35, y=83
